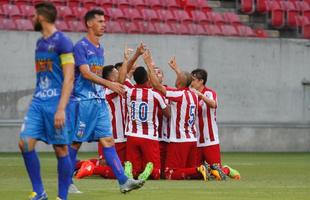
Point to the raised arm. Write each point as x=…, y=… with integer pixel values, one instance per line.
x=123, y=69
x=147, y=57
x=173, y=65
x=139, y=51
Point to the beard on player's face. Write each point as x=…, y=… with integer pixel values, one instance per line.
x=37, y=26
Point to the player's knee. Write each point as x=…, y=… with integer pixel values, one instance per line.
x=107, y=142
x=24, y=145
x=61, y=150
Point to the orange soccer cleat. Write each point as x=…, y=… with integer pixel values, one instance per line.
x=87, y=169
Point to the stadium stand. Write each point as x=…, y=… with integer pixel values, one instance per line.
x=239, y=18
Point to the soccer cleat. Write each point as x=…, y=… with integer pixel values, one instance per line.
x=233, y=173
x=128, y=169
x=87, y=169
x=57, y=198
x=217, y=172
x=203, y=171
x=147, y=171
x=73, y=189
x=35, y=196
x=131, y=184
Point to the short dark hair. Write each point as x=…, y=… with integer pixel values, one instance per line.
x=200, y=74
x=47, y=10
x=140, y=75
x=91, y=15
x=106, y=71
x=118, y=65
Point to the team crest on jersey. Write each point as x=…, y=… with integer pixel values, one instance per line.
x=51, y=47
x=45, y=83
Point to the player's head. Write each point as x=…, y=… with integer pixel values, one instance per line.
x=46, y=12
x=183, y=80
x=118, y=65
x=95, y=22
x=110, y=73
x=140, y=75
x=159, y=74
x=200, y=77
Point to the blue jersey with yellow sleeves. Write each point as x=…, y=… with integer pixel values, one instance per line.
x=51, y=53
x=86, y=53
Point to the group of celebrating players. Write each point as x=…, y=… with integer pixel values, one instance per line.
x=155, y=131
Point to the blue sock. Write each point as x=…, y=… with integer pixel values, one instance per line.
x=64, y=169
x=113, y=161
x=33, y=168
x=72, y=153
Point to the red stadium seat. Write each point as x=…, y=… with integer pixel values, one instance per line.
x=27, y=11
x=62, y=25
x=89, y=4
x=59, y=2
x=79, y=12
x=199, y=17
x=166, y=15
x=191, y=5
x=163, y=28
x=11, y=11
x=7, y=24
x=123, y=4
x=196, y=29
x=232, y=18
x=24, y=24
x=114, y=27
x=131, y=27
x=107, y=3
x=73, y=3
x=2, y=15
x=140, y=4
x=146, y=27
x=247, y=6
x=76, y=26
x=21, y=2
x=229, y=30
x=155, y=4
x=172, y=4
x=65, y=12
x=150, y=15
x=204, y=6
x=213, y=29
x=216, y=18
x=116, y=14
x=261, y=33
x=261, y=6
x=132, y=14
x=277, y=15
x=302, y=6
x=302, y=20
x=180, y=29
x=306, y=31
x=182, y=16
x=291, y=13
x=245, y=31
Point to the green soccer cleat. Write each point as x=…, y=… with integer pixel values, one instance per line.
x=147, y=171
x=128, y=169
x=233, y=173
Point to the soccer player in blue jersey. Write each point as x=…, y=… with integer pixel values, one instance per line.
x=92, y=117
x=47, y=119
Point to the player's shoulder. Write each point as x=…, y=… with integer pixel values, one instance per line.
x=81, y=43
x=207, y=89
x=61, y=37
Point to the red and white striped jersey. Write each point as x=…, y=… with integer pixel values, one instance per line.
x=184, y=103
x=143, y=105
x=118, y=113
x=163, y=125
x=207, y=130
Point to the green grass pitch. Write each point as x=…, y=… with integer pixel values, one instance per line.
x=264, y=176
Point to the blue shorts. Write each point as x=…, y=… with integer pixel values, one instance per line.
x=39, y=123
x=92, y=121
